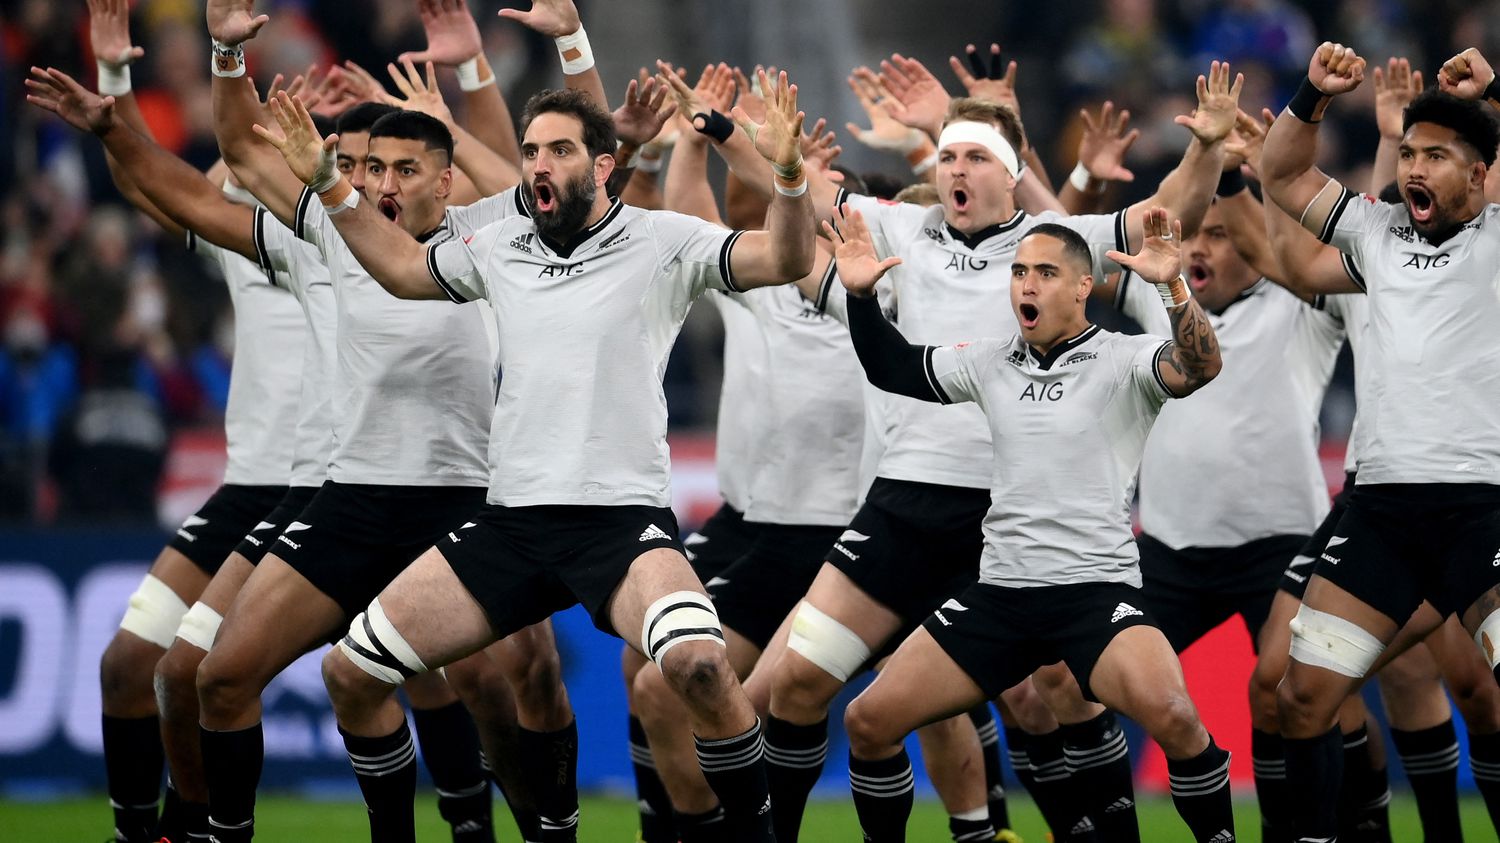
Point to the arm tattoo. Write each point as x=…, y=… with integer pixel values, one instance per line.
x=1195, y=348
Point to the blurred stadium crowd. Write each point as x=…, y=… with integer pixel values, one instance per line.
x=113, y=338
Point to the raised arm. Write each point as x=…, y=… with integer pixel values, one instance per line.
x=1101, y=159
x=1469, y=76
x=687, y=190
x=1395, y=88
x=639, y=119
x=391, y=256
x=1194, y=358
x=1288, y=170
x=1188, y=190
x=890, y=362
x=256, y=166
x=486, y=168
x=784, y=252
x=558, y=20
x=453, y=41
x=176, y=195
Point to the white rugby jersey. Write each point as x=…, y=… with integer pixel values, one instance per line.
x=1431, y=369
x=1239, y=461
x=1352, y=310
x=812, y=423
x=1069, y=429
x=739, y=434
x=265, y=378
x=950, y=288
x=415, y=380
x=299, y=266
x=585, y=329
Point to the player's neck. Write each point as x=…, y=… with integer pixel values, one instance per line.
x=1074, y=330
x=422, y=229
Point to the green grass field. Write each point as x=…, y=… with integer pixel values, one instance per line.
x=613, y=820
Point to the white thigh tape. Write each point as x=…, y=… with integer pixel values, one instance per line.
x=154, y=613
x=678, y=617
x=200, y=626
x=374, y=645
x=827, y=643
x=1488, y=638
x=1330, y=642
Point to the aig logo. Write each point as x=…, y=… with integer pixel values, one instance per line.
x=1426, y=261
x=1042, y=392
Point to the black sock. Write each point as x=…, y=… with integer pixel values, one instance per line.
x=231, y=764
x=550, y=761
x=1098, y=761
x=736, y=770
x=1430, y=758
x=989, y=746
x=527, y=822
x=1314, y=769
x=1269, y=760
x=133, y=763
x=386, y=768
x=655, y=806
x=794, y=761
x=1484, y=760
x=1365, y=798
x=971, y=831
x=181, y=822
x=1048, y=781
x=1200, y=790
x=707, y=827
x=883, y=794
x=450, y=749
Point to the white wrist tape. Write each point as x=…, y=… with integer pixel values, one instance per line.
x=1174, y=293
x=227, y=61
x=114, y=79
x=925, y=164
x=629, y=163
x=800, y=189
x=983, y=134
x=648, y=164
x=1079, y=178
x=348, y=203
x=468, y=76
x=154, y=613
x=574, y=52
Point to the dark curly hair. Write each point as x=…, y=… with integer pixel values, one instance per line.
x=598, y=125
x=1470, y=119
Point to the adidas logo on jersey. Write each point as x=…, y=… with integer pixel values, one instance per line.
x=521, y=243
x=1084, y=826
x=1124, y=610
x=1224, y=836
x=1121, y=804
x=654, y=533
x=1496, y=563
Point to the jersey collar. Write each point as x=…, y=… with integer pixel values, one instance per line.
x=974, y=240
x=579, y=238
x=1246, y=293
x=1045, y=361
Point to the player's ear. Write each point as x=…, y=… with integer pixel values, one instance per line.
x=604, y=167
x=1085, y=287
x=445, y=182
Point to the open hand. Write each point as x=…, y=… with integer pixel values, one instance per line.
x=645, y=110
x=452, y=35
x=1395, y=88
x=1102, y=148
x=993, y=82
x=1160, y=259
x=109, y=32
x=1218, y=103
x=233, y=22
x=1247, y=140
x=886, y=132
x=859, y=267
x=310, y=157
x=418, y=94
x=779, y=137
x=57, y=92
x=918, y=98
x=552, y=18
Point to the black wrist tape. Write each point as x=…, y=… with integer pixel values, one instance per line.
x=715, y=125
x=1305, y=102
x=1231, y=183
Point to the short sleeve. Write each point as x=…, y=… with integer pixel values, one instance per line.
x=468, y=219
x=953, y=370
x=455, y=269
x=311, y=222
x=274, y=242
x=1355, y=216
x=1140, y=301
x=695, y=250
x=1145, y=368
x=1102, y=232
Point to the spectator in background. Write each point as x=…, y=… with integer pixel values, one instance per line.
x=1126, y=55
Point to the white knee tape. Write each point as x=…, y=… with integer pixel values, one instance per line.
x=154, y=613
x=827, y=643
x=374, y=645
x=1488, y=638
x=679, y=617
x=1328, y=641
x=200, y=626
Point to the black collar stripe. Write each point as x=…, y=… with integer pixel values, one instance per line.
x=578, y=240
x=521, y=204
x=974, y=240
x=1045, y=361
x=1252, y=290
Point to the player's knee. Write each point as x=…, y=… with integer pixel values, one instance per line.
x=1263, y=704
x=176, y=677
x=867, y=734
x=1478, y=700
x=698, y=672
x=538, y=684
x=655, y=699
x=1174, y=724
x=222, y=689
x=125, y=668
x=349, y=685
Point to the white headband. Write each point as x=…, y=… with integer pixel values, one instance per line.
x=987, y=136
